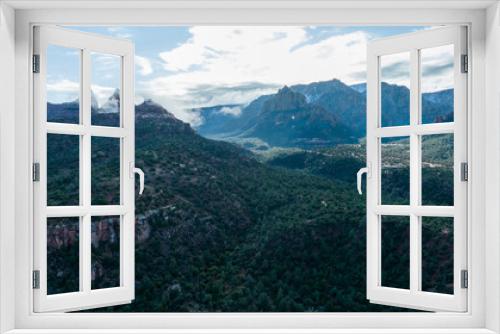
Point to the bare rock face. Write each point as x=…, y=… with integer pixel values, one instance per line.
x=65, y=234
x=106, y=230
x=142, y=228
x=62, y=235
x=285, y=100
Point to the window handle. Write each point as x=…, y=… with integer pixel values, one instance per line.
x=359, y=175
x=141, y=179
x=134, y=170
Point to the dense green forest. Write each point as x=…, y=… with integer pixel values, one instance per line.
x=220, y=229
x=224, y=229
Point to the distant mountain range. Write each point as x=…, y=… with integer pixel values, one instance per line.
x=315, y=115
x=318, y=114
x=68, y=112
x=287, y=119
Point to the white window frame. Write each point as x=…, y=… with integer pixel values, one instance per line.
x=483, y=310
x=86, y=297
x=412, y=44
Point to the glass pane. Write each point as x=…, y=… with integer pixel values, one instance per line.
x=63, y=170
x=396, y=251
x=105, y=85
x=63, y=84
x=395, y=170
x=395, y=89
x=105, y=171
x=437, y=169
x=437, y=84
x=105, y=252
x=437, y=254
x=63, y=260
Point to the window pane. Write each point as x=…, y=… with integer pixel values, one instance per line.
x=105, y=171
x=396, y=251
x=105, y=252
x=437, y=254
x=394, y=89
x=63, y=261
x=437, y=84
x=395, y=170
x=437, y=169
x=105, y=85
x=63, y=166
x=63, y=84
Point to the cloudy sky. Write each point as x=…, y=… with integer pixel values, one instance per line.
x=189, y=67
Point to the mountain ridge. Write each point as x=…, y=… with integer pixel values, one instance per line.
x=346, y=103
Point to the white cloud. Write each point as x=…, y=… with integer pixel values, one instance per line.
x=395, y=69
x=67, y=91
x=180, y=107
x=219, y=56
x=62, y=91
x=437, y=68
x=144, y=65
x=233, y=55
x=105, y=70
x=231, y=64
x=63, y=86
x=102, y=93
x=234, y=111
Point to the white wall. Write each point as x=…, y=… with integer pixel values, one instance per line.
x=7, y=62
x=492, y=63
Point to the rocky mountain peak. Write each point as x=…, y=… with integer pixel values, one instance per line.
x=112, y=105
x=150, y=109
x=286, y=99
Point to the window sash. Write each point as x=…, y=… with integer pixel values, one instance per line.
x=86, y=297
x=414, y=297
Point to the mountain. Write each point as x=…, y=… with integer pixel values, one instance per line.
x=288, y=120
x=219, y=231
x=67, y=112
x=360, y=87
x=112, y=104
x=215, y=119
x=443, y=97
x=314, y=91
x=228, y=233
x=230, y=125
x=94, y=105
x=395, y=105
x=152, y=110
x=438, y=106
x=345, y=104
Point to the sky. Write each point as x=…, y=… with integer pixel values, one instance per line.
x=188, y=67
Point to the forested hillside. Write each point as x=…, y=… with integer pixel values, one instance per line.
x=220, y=229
